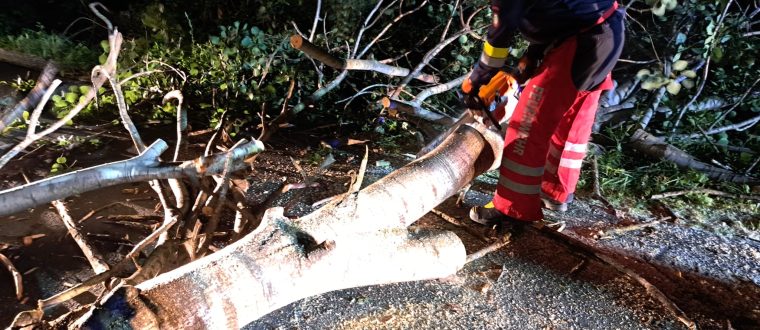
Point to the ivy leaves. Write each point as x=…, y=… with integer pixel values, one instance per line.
x=659, y=7
x=680, y=76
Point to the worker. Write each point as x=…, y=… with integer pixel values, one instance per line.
x=573, y=46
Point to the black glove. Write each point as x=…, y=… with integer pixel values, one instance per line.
x=526, y=68
x=481, y=74
x=528, y=63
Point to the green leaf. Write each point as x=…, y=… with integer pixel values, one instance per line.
x=71, y=97
x=717, y=53
x=25, y=115
x=223, y=87
x=102, y=59
x=104, y=45
x=61, y=160
x=658, y=10
x=463, y=39
x=84, y=89
x=680, y=38
x=674, y=88
x=59, y=102
x=680, y=65
x=246, y=42
x=643, y=73
x=214, y=40
x=688, y=83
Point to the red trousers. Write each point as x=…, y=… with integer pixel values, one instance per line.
x=546, y=137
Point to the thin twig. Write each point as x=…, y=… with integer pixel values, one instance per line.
x=454, y=221
x=451, y=18
x=387, y=27
x=503, y=241
x=181, y=119
x=595, y=168
x=741, y=126
x=115, y=270
x=652, y=290
x=46, y=77
x=432, y=53
x=18, y=281
x=705, y=191
x=625, y=229
x=220, y=195
x=95, y=211
x=96, y=261
x=364, y=28
x=739, y=102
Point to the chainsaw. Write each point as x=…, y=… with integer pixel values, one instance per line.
x=497, y=99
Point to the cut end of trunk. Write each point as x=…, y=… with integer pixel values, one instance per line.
x=386, y=102
x=296, y=41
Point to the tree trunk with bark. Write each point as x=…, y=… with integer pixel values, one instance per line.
x=357, y=240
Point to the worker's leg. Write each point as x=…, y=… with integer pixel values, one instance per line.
x=541, y=107
x=569, y=79
x=598, y=50
x=568, y=147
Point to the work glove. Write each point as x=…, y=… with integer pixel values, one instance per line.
x=481, y=74
x=526, y=68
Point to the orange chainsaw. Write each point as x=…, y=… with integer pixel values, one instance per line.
x=497, y=99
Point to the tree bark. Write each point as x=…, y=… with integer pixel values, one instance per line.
x=23, y=60
x=358, y=240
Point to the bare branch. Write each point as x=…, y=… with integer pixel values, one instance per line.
x=181, y=119
x=316, y=20
x=93, y=6
x=143, y=167
x=17, y=279
x=738, y=102
x=96, y=262
x=323, y=56
x=425, y=60
x=387, y=27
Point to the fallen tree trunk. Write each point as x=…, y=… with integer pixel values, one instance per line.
x=358, y=240
x=23, y=60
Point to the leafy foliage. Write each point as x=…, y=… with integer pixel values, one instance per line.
x=68, y=54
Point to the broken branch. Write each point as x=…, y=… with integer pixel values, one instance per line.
x=143, y=167
x=17, y=279
x=319, y=54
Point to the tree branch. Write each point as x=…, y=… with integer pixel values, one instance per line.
x=298, y=42
x=143, y=167
x=34, y=96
